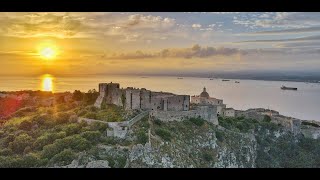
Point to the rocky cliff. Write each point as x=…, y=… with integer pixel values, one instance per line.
x=235, y=143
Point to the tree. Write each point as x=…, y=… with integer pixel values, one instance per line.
x=92, y=136
x=20, y=143
x=90, y=97
x=64, y=157
x=25, y=125
x=60, y=99
x=77, y=95
x=267, y=118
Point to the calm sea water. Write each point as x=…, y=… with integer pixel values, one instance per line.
x=302, y=104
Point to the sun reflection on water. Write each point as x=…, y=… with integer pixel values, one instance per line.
x=47, y=82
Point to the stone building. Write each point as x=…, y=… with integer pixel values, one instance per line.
x=229, y=112
x=205, y=99
x=141, y=99
x=162, y=105
x=111, y=93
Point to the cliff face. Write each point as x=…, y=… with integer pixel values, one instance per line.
x=198, y=149
x=196, y=143
x=187, y=146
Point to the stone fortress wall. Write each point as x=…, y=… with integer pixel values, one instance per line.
x=163, y=105
x=207, y=113
x=134, y=98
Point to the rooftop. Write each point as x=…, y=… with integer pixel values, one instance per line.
x=204, y=93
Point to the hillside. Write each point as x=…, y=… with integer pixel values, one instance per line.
x=52, y=137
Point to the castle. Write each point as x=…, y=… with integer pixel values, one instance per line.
x=205, y=99
x=163, y=105
x=142, y=99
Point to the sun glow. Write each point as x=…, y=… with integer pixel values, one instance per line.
x=48, y=53
x=47, y=82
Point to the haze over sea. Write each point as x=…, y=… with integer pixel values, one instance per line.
x=302, y=104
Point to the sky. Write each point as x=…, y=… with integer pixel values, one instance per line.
x=159, y=43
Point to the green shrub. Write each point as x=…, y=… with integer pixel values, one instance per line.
x=91, y=115
x=21, y=112
x=31, y=160
x=45, y=119
x=77, y=95
x=92, y=136
x=75, y=142
x=220, y=136
x=50, y=111
x=47, y=138
x=65, y=157
x=62, y=118
x=157, y=122
x=82, y=112
x=71, y=129
x=121, y=161
x=2, y=133
x=207, y=157
x=98, y=126
x=5, y=152
x=73, y=118
x=20, y=143
x=7, y=140
x=309, y=124
x=164, y=134
x=90, y=97
x=25, y=125
x=142, y=137
x=266, y=118
x=62, y=107
x=92, y=108
x=197, y=121
x=109, y=140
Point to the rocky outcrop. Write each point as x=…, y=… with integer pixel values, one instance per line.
x=197, y=150
x=98, y=164
x=99, y=101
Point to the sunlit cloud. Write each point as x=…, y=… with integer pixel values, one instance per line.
x=124, y=41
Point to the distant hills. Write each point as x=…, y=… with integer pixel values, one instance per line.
x=298, y=76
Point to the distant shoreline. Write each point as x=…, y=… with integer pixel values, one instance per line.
x=232, y=76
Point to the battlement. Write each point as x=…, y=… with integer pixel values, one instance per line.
x=141, y=99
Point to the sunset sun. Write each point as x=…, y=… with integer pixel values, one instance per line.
x=48, y=53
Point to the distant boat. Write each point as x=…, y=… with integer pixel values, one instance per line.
x=179, y=78
x=144, y=77
x=237, y=82
x=225, y=80
x=288, y=88
x=211, y=78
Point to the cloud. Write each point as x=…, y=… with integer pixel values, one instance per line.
x=308, y=44
x=121, y=26
x=195, y=51
x=280, y=20
x=307, y=38
x=40, y=24
x=149, y=21
x=286, y=31
x=17, y=53
x=196, y=26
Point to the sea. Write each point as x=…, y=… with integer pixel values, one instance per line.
x=303, y=103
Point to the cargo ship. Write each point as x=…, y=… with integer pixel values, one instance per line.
x=288, y=88
x=225, y=80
